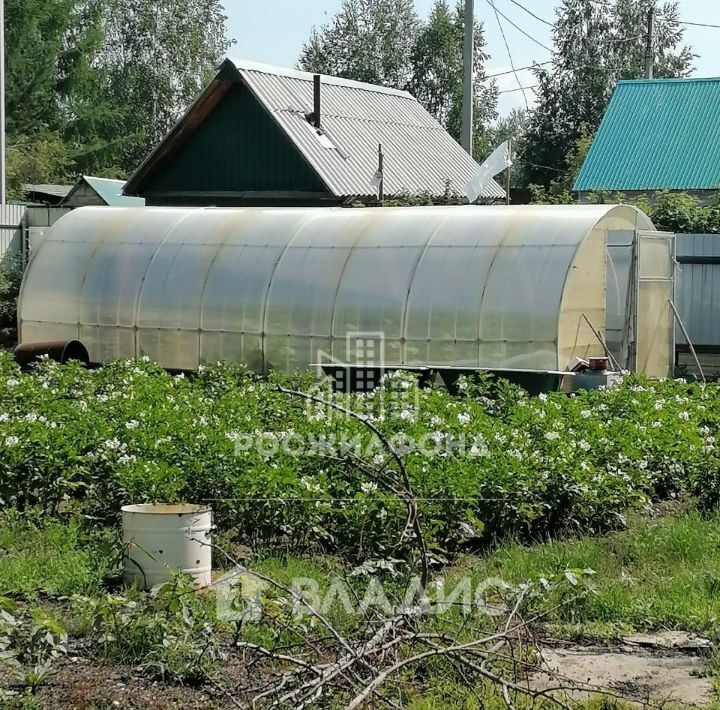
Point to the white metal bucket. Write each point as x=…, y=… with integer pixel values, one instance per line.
x=161, y=540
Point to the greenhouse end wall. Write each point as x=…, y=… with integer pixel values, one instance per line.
x=496, y=287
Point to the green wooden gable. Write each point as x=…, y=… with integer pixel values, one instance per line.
x=248, y=139
x=238, y=148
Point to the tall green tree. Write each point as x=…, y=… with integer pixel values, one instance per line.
x=49, y=45
x=596, y=45
x=42, y=42
x=384, y=42
x=437, y=72
x=154, y=57
x=41, y=157
x=367, y=40
x=92, y=85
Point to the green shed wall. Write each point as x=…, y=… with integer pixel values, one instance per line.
x=237, y=148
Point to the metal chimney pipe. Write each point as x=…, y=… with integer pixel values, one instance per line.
x=316, y=100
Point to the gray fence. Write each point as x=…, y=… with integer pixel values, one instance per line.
x=12, y=219
x=697, y=294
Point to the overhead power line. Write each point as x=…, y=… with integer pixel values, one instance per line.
x=531, y=13
x=544, y=167
x=520, y=88
x=700, y=24
x=512, y=71
x=509, y=53
x=519, y=29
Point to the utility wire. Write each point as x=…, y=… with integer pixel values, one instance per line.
x=531, y=13
x=520, y=88
x=519, y=29
x=699, y=24
x=509, y=53
x=512, y=71
x=544, y=167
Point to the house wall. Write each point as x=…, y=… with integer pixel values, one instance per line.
x=82, y=196
x=236, y=156
x=243, y=199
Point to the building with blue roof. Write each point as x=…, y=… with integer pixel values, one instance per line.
x=90, y=190
x=658, y=134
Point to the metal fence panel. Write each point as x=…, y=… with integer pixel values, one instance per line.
x=698, y=289
x=11, y=220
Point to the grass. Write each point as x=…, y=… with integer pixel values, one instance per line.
x=662, y=573
x=51, y=558
x=659, y=573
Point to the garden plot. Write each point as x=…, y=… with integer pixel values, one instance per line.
x=344, y=492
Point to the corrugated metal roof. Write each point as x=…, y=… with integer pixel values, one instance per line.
x=657, y=134
x=111, y=191
x=420, y=156
x=47, y=189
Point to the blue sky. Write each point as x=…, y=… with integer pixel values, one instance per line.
x=273, y=32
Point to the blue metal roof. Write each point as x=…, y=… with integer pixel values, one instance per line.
x=657, y=134
x=111, y=191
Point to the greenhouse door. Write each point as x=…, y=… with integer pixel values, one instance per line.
x=654, y=322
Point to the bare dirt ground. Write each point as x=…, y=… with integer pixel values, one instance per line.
x=631, y=671
x=81, y=684
x=658, y=668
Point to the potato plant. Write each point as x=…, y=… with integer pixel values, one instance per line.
x=278, y=470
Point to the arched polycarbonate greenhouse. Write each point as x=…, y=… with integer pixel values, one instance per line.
x=494, y=287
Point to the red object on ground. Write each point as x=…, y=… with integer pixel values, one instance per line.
x=598, y=363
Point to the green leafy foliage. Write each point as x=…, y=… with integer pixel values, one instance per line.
x=596, y=45
x=167, y=633
x=384, y=42
x=92, y=86
x=662, y=572
x=669, y=211
x=503, y=463
x=423, y=199
x=437, y=74
x=53, y=558
x=151, y=61
x=680, y=212
x=38, y=158
x=367, y=40
x=11, y=273
x=30, y=641
x=559, y=191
